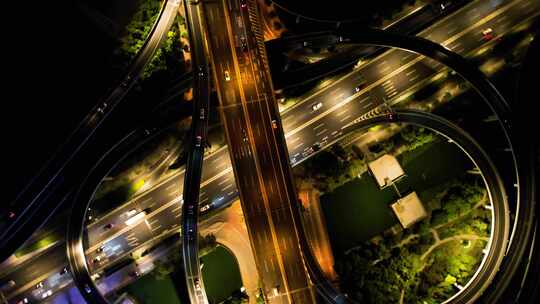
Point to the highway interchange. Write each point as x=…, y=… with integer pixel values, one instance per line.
x=387, y=76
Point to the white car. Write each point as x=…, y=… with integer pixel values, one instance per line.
x=227, y=76
x=316, y=106
x=205, y=207
x=131, y=212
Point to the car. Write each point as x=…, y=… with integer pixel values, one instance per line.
x=316, y=106
x=97, y=259
x=191, y=235
x=227, y=76
x=274, y=124
x=46, y=294
x=100, y=249
x=198, y=141
x=316, y=146
x=243, y=3
x=200, y=70
x=308, y=151
x=134, y=274
x=108, y=226
x=63, y=271
x=359, y=87
x=23, y=301
x=39, y=285
x=201, y=114
x=488, y=34
x=197, y=284
x=243, y=44
x=244, y=135
x=205, y=207
x=190, y=209
x=131, y=212
x=7, y=285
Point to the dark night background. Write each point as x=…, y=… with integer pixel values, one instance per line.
x=54, y=71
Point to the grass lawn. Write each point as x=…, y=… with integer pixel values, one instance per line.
x=431, y=166
x=149, y=290
x=358, y=210
x=221, y=274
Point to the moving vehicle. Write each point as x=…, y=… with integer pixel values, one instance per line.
x=227, y=76
x=488, y=34
x=274, y=124
x=134, y=274
x=198, y=141
x=316, y=106
x=243, y=3
x=359, y=87
x=244, y=135
x=108, y=226
x=200, y=70
x=201, y=114
x=205, y=207
x=243, y=44
x=131, y=212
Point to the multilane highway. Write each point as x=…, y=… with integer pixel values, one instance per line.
x=390, y=74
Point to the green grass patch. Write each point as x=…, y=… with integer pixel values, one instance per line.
x=148, y=289
x=42, y=243
x=430, y=166
x=357, y=211
x=221, y=274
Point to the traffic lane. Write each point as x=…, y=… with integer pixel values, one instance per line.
x=151, y=199
x=249, y=184
x=163, y=26
x=49, y=262
x=265, y=255
x=292, y=256
x=296, y=284
x=378, y=67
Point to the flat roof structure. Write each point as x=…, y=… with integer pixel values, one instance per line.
x=386, y=170
x=409, y=210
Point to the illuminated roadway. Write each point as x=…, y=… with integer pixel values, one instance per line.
x=247, y=108
x=216, y=164
x=198, y=134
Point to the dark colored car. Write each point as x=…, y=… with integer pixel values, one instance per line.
x=108, y=226
x=243, y=44
x=359, y=87
x=134, y=274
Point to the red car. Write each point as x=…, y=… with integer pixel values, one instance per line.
x=487, y=34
